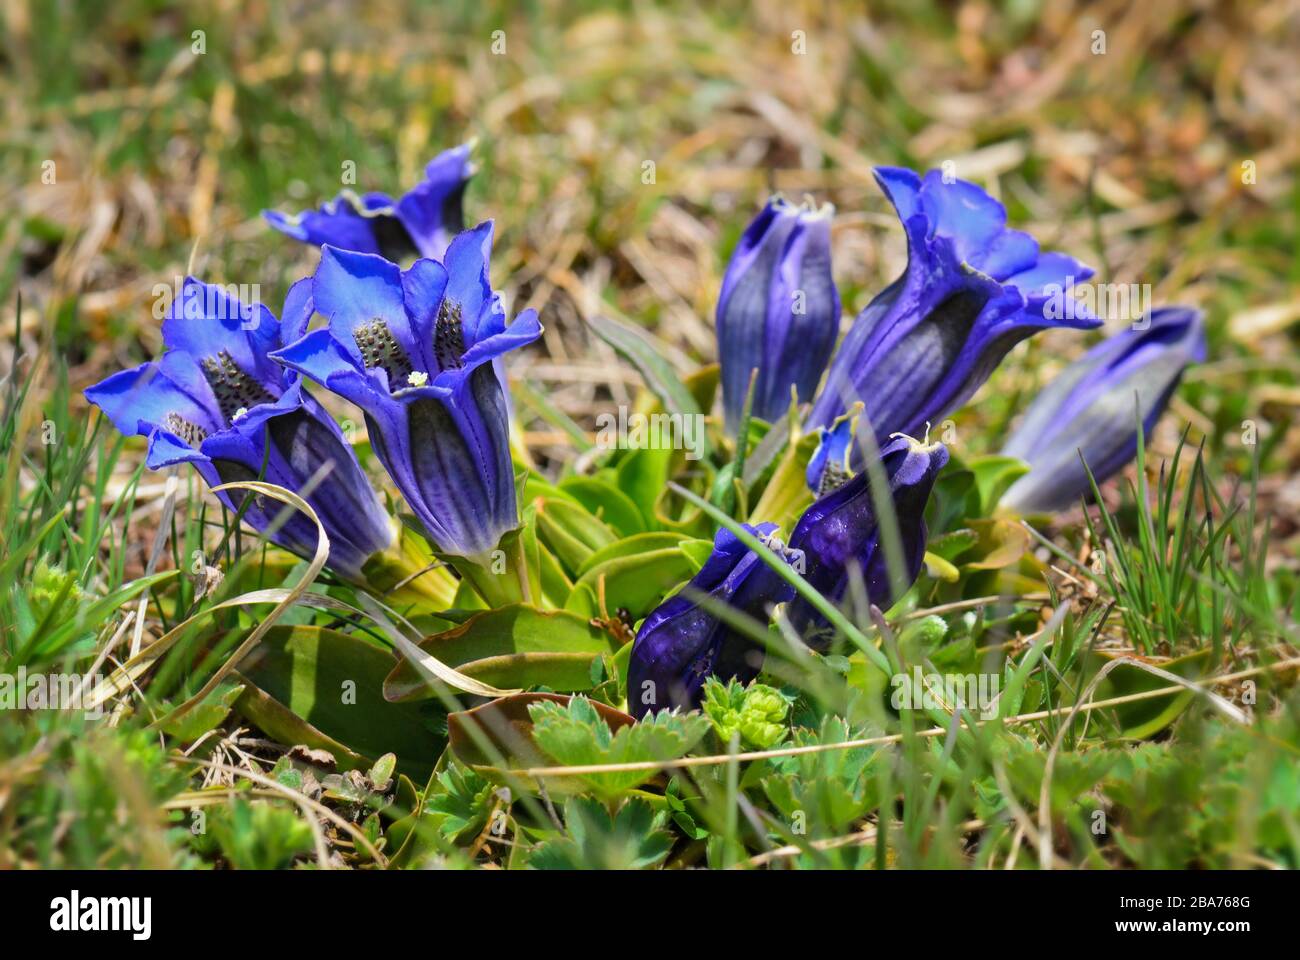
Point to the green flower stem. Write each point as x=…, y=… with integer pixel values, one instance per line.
x=408, y=573
x=501, y=576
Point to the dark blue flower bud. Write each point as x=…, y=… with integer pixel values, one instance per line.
x=682, y=642
x=841, y=532
x=779, y=311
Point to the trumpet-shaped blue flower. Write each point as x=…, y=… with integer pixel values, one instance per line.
x=842, y=531
x=422, y=221
x=414, y=350
x=682, y=642
x=971, y=291
x=779, y=311
x=218, y=401
x=1093, y=407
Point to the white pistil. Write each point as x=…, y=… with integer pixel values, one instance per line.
x=417, y=378
x=920, y=446
x=240, y=412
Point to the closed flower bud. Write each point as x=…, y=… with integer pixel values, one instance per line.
x=779, y=311
x=841, y=531
x=682, y=642
x=1092, y=409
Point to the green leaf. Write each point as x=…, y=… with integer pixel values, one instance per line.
x=380, y=774
x=631, y=839
x=570, y=532
x=953, y=544
x=954, y=499
x=636, y=582
x=206, y=716
x=459, y=801
x=633, y=546
x=638, y=349
x=334, y=681
x=994, y=473
x=642, y=475
x=498, y=736
x=830, y=789
x=284, y=726
x=757, y=712
x=940, y=569
x=607, y=503
x=259, y=835
x=1145, y=718
x=514, y=646
x=703, y=385
x=577, y=735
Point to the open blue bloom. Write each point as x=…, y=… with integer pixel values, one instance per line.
x=828, y=469
x=422, y=221
x=779, y=311
x=1092, y=409
x=682, y=643
x=414, y=350
x=841, y=531
x=971, y=291
x=218, y=401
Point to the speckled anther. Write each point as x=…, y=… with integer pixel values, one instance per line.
x=448, y=336
x=233, y=388
x=191, y=433
x=379, y=348
x=834, y=476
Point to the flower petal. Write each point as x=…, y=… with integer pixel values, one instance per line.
x=320, y=357
x=139, y=401
x=431, y=210
x=468, y=287
x=207, y=322
x=355, y=289
x=347, y=222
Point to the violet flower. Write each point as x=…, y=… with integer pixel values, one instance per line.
x=681, y=643
x=842, y=531
x=971, y=291
x=414, y=350
x=422, y=221
x=218, y=401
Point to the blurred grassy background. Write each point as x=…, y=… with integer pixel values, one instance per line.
x=1131, y=159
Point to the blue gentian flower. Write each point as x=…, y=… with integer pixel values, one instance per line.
x=218, y=401
x=682, y=643
x=828, y=468
x=1092, y=409
x=779, y=311
x=841, y=531
x=971, y=291
x=422, y=221
x=414, y=350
